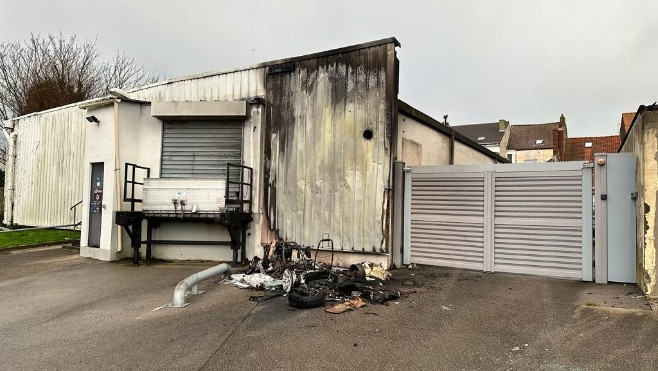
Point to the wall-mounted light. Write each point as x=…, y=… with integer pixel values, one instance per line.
x=93, y=119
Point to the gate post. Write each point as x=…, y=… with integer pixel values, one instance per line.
x=398, y=209
x=601, y=217
x=406, y=235
x=587, y=223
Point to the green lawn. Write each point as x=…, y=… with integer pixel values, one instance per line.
x=18, y=238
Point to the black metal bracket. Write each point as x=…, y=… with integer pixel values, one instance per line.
x=237, y=224
x=131, y=221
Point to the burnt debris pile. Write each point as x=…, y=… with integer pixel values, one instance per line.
x=289, y=269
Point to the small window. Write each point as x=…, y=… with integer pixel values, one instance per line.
x=539, y=141
x=481, y=138
x=588, y=144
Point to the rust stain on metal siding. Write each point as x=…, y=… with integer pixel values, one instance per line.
x=321, y=173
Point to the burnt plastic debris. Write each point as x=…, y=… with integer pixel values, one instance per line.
x=288, y=269
x=357, y=271
x=267, y=296
x=381, y=296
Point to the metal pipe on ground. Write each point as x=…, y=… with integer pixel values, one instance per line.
x=190, y=284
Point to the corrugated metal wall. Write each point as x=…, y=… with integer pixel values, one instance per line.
x=233, y=85
x=50, y=145
x=321, y=174
x=49, y=167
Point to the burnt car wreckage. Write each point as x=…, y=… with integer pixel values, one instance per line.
x=289, y=269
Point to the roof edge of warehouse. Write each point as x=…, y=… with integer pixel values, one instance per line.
x=640, y=109
x=91, y=102
x=70, y=105
x=325, y=53
x=427, y=120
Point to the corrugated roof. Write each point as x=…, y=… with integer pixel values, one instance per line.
x=345, y=49
x=523, y=137
x=578, y=151
x=236, y=71
x=481, y=133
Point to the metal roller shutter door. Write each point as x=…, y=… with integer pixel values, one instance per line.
x=447, y=220
x=538, y=222
x=516, y=218
x=200, y=149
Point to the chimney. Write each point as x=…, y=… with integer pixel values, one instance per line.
x=563, y=121
x=502, y=125
x=559, y=145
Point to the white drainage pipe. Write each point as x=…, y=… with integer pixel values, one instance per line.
x=190, y=284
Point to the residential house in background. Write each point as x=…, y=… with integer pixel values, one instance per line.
x=537, y=142
x=493, y=136
x=625, y=124
x=520, y=143
x=584, y=148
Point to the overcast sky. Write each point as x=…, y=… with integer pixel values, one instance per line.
x=477, y=61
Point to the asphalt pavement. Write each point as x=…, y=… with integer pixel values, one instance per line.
x=61, y=311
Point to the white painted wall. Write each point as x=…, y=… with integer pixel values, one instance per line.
x=140, y=142
x=99, y=147
x=195, y=232
x=216, y=232
x=424, y=146
x=420, y=144
x=465, y=155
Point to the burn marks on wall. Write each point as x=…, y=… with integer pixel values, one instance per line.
x=327, y=147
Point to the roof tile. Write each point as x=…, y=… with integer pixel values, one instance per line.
x=476, y=131
x=576, y=150
x=523, y=137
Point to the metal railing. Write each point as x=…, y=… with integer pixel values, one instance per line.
x=74, y=208
x=238, y=196
x=129, y=178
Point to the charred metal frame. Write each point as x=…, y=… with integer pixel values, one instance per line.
x=236, y=217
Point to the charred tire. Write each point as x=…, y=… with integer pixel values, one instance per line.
x=315, y=275
x=305, y=300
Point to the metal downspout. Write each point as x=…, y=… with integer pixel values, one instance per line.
x=117, y=172
x=10, y=178
x=189, y=284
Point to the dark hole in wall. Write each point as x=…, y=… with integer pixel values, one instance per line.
x=367, y=134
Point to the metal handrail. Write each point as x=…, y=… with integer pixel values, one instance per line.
x=75, y=213
x=242, y=199
x=133, y=168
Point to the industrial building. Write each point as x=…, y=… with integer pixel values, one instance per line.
x=214, y=165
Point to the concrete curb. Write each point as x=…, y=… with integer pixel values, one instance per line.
x=32, y=246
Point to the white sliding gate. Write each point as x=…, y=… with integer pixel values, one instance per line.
x=519, y=218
